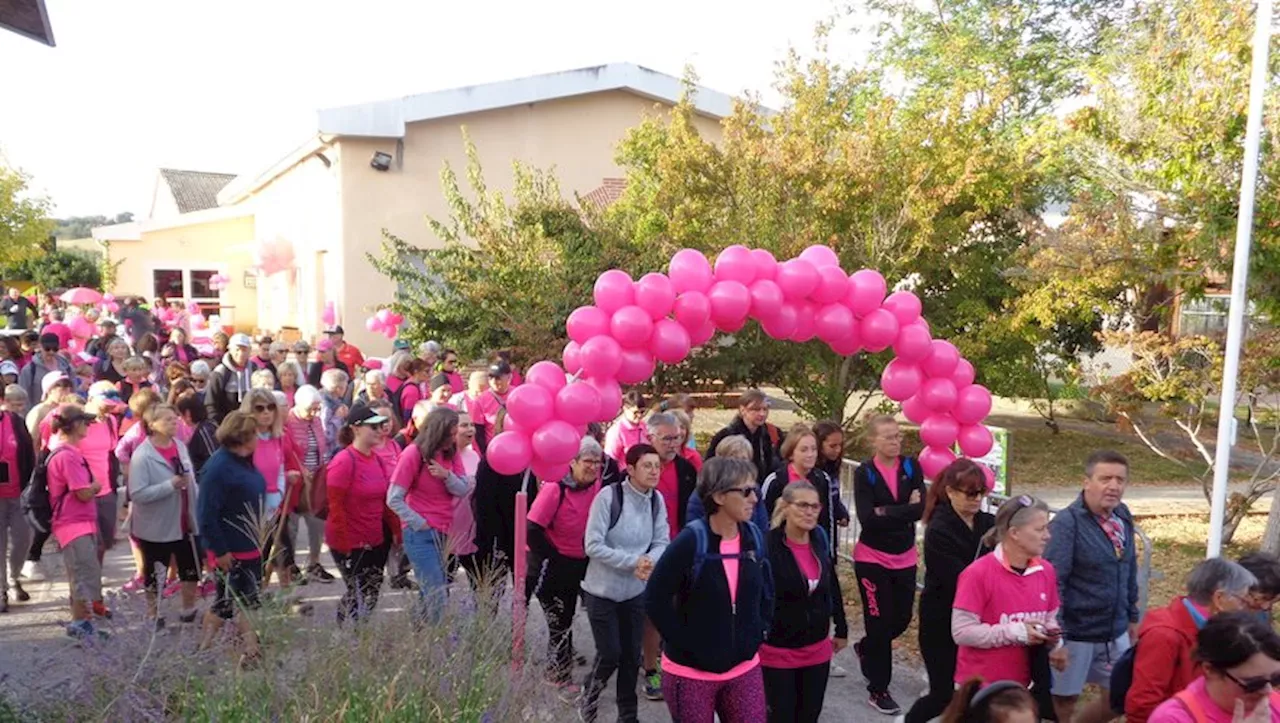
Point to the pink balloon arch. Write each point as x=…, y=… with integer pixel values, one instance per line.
x=661, y=318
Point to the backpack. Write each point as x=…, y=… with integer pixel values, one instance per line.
x=701, y=554
x=1121, y=679
x=36, y=504
x=615, y=505
x=907, y=468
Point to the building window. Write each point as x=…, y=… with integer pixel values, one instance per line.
x=1207, y=316
x=167, y=283
x=187, y=285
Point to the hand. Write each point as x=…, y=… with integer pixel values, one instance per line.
x=1261, y=712
x=879, y=512
x=839, y=644
x=1058, y=659
x=843, y=522
x=1133, y=634
x=914, y=499
x=292, y=478
x=224, y=561
x=95, y=487
x=180, y=482
x=340, y=412
x=644, y=567
x=437, y=471
x=1036, y=634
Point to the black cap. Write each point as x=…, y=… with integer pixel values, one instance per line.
x=363, y=415
x=499, y=369
x=439, y=380
x=335, y=330
x=50, y=340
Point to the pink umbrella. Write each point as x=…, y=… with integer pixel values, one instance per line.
x=81, y=295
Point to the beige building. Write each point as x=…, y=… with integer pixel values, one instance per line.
x=377, y=166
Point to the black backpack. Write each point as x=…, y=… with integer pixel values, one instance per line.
x=37, y=507
x=1122, y=678
x=615, y=504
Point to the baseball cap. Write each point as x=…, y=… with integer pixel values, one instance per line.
x=68, y=414
x=8, y=367
x=105, y=391
x=47, y=340
x=240, y=340
x=499, y=369
x=439, y=380
x=51, y=379
x=364, y=416
x=324, y=345
x=400, y=345
x=335, y=330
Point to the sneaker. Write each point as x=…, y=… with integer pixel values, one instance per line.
x=653, y=686
x=319, y=573
x=208, y=588
x=33, y=571
x=136, y=584
x=18, y=592
x=566, y=690
x=100, y=610
x=402, y=582
x=188, y=618
x=298, y=577
x=171, y=588
x=884, y=703
x=838, y=672
x=83, y=630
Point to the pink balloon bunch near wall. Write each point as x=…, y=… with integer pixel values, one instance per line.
x=634, y=325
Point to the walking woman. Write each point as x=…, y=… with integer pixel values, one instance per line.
x=888, y=494
x=275, y=457
x=557, y=554
x=954, y=527
x=359, y=527
x=162, y=488
x=807, y=599
x=462, y=531
x=831, y=460
x=17, y=461
x=1007, y=602
x=75, y=517
x=800, y=464
x=428, y=477
x=495, y=504
x=709, y=596
x=232, y=492
x=308, y=434
x=626, y=534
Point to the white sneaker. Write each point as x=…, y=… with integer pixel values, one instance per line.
x=32, y=570
x=838, y=672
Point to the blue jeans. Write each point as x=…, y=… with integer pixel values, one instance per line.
x=425, y=549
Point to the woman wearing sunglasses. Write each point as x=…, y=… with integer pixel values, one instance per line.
x=1240, y=658
x=276, y=458
x=954, y=527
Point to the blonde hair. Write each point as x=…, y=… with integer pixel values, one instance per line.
x=788, y=497
x=682, y=418
x=267, y=397
x=237, y=429
x=263, y=379
x=134, y=363
x=797, y=432
x=876, y=421
x=1015, y=512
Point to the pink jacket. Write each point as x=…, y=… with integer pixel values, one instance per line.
x=300, y=431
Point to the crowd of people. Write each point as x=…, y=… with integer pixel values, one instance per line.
x=709, y=577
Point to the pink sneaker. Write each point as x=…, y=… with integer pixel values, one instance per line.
x=171, y=588
x=208, y=588
x=137, y=584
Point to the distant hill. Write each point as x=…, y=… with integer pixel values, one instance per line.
x=81, y=226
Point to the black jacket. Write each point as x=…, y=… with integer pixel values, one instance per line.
x=949, y=547
x=891, y=529
x=203, y=444
x=26, y=450
x=495, y=510
x=780, y=478
x=764, y=445
x=801, y=617
x=701, y=628
x=316, y=369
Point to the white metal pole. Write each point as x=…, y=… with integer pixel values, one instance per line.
x=1239, y=277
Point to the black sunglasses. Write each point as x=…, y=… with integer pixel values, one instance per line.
x=745, y=491
x=257, y=408
x=971, y=494
x=1253, y=685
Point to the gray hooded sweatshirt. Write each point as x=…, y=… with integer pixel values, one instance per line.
x=157, y=504
x=613, y=554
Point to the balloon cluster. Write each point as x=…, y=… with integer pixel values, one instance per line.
x=633, y=325
x=219, y=281
x=109, y=304
x=329, y=317
x=274, y=256
x=386, y=322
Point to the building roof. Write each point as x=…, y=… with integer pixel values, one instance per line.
x=608, y=192
x=195, y=190
x=387, y=118
x=27, y=17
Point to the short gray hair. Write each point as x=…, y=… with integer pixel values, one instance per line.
x=720, y=474
x=660, y=419
x=375, y=375
x=1216, y=574
x=331, y=378
x=263, y=379
x=299, y=376
x=735, y=445
x=432, y=347
x=589, y=447
x=305, y=396
x=200, y=367
x=13, y=393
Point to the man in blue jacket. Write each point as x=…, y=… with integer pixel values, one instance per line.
x=1092, y=550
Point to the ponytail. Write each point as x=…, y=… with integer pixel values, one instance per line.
x=346, y=436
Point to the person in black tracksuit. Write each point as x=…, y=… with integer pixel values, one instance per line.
x=800, y=457
x=798, y=648
x=954, y=526
x=888, y=494
x=752, y=423
x=495, y=510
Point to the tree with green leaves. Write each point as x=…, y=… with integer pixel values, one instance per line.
x=24, y=219
x=59, y=270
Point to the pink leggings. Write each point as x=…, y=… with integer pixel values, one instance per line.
x=740, y=700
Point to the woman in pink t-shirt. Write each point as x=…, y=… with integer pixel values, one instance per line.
x=1240, y=655
x=807, y=599
x=629, y=430
x=1007, y=602
x=462, y=531
x=75, y=521
x=888, y=495
x=276, y=460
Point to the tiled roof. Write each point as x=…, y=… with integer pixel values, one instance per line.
x=605, y=195
x=195, y=190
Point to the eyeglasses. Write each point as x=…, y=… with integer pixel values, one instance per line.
x=746, y=492
x=670, y=438
x=591, y=462
x=260, y=408
x=807, y=506
x=1253, y=685
x=971, y=494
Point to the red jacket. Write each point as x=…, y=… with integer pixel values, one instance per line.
x=1163, y=664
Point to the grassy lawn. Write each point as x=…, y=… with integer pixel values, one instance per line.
x=1041, y=458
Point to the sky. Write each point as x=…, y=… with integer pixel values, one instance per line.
x=233, y=86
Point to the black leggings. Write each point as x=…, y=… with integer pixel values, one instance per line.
x=362, y=572
x=156, y=557
x=939, y=652
x=37, y=544
x=557, y=590
x=794, y=695
x=887, y=597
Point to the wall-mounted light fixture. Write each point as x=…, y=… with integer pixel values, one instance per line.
x=381, y=161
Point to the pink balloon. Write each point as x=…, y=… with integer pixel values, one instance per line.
x=939, y=430
x=113, y=307
x=693, y=310
x=935, y=459
x=833, y=285
x=556, y=441
x=732, y=327
x=391, y=332
x=964, y=374
x=702, y=334
x=601, y=357
x=690, y=271
x=942, y=359
x=766, y=299
x=820, y=256
x=384, y=315
x=939, y=395
x=975, y=440
x=797, y=278
x=614, y=290
x=572, y=357
x=783, y=324
x=735, y=264
x=631, y=326
x=656, y=295
x=730, y=302
x=109, y=297
x=509, y=453
x=766, y=265
x=610, y=398
x=586, y=322
x=806, y=325
x=913, y=344
x=670, y=342
x=973, y=404
x=531, y=405
x=371, y=324
x=549, y=472
x=329, y=317
x=578, y=403
x=866, y=291
x=878, y=330
x=637, y=366
x=916, y=410
x=904, y=305
x=988, y=474
x=849, y=345
x=833, y=322
x=900, y=380
x=547, y=375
